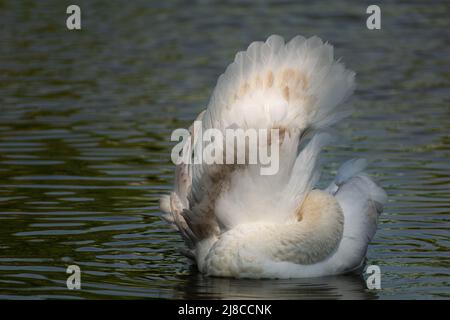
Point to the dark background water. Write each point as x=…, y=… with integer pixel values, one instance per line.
x=86, y=117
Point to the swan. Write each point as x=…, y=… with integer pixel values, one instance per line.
x=239, y=223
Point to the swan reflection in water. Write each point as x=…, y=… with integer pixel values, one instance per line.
x=350, y=286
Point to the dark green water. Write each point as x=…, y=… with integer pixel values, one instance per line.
x=86, y=117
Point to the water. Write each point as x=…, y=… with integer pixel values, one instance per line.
x=86, y=118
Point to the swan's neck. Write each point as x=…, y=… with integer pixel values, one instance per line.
x=310, y=237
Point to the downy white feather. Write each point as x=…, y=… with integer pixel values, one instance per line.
x=237, y=222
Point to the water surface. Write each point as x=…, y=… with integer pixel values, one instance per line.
x=86, y=117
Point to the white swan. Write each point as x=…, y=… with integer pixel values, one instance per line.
x=239, y=223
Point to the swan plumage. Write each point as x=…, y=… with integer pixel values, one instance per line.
x=238, y=223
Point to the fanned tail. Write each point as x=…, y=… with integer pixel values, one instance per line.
x=295, y=87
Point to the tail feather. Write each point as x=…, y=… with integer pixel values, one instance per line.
x=274, y=84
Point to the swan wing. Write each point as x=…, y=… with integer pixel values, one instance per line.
x=295, y=87
x=362, y=201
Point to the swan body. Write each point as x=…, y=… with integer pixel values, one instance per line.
x=238, y=223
